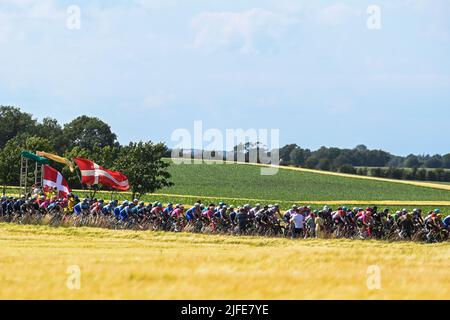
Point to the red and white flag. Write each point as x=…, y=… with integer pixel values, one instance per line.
x=53, y=178
x=92, y=173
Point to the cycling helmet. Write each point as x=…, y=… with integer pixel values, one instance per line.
x=197, y=205
x=142, y=203
x=437, y=211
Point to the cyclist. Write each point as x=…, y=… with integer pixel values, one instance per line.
x=297, y=222
x=168, y=210
x=242, y=220
x=446, y=222
x=194, y=212
x=310, y=223
x=81, y=206
x=406, y=225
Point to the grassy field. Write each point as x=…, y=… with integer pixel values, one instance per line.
x=34, y=261
x=245, y=181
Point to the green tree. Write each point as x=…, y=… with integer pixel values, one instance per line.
x=324, y=164
x=285, y=154
x=52, y=130
x=412, y=161
x=446, y=161
x=347, y=168
x=422, y=174
x=10, y=156
x=142, y=163
x=311, y=162
x=376, y=172
x=88, y=132
x=434, y=162
x=298, y=156
x=14, y=122
x=10, y=163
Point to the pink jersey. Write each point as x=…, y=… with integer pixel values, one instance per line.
x=177, y=213
x=208, y=214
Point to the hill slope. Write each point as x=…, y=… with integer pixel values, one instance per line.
x=245, y=181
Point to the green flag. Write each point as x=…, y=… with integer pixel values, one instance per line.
x=34, y=157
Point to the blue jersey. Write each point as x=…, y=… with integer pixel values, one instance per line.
x=447, y=221
x=167, y=211
x=232, y=216
x=106, y=210
x=190, y=214
x=135, y=210
x=125, y=213
x=79, y=207
x=4, y=205
x=117, y=211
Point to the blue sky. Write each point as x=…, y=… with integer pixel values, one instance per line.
x=310, y=68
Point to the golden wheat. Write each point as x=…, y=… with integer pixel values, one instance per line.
x=150, y=265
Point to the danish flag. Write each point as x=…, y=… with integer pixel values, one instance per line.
x=52, y=178
x=92, y=173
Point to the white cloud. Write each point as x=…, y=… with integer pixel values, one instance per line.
x=251, y=31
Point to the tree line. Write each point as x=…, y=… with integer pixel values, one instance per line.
x=363, y=161
x=85, y=137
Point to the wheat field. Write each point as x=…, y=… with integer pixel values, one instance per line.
x=36, y=263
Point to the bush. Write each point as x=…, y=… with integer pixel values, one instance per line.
x=347, y=168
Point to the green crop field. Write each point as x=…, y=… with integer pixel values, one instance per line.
x=245, y=181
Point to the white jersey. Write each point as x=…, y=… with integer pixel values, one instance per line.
x=298, y=220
